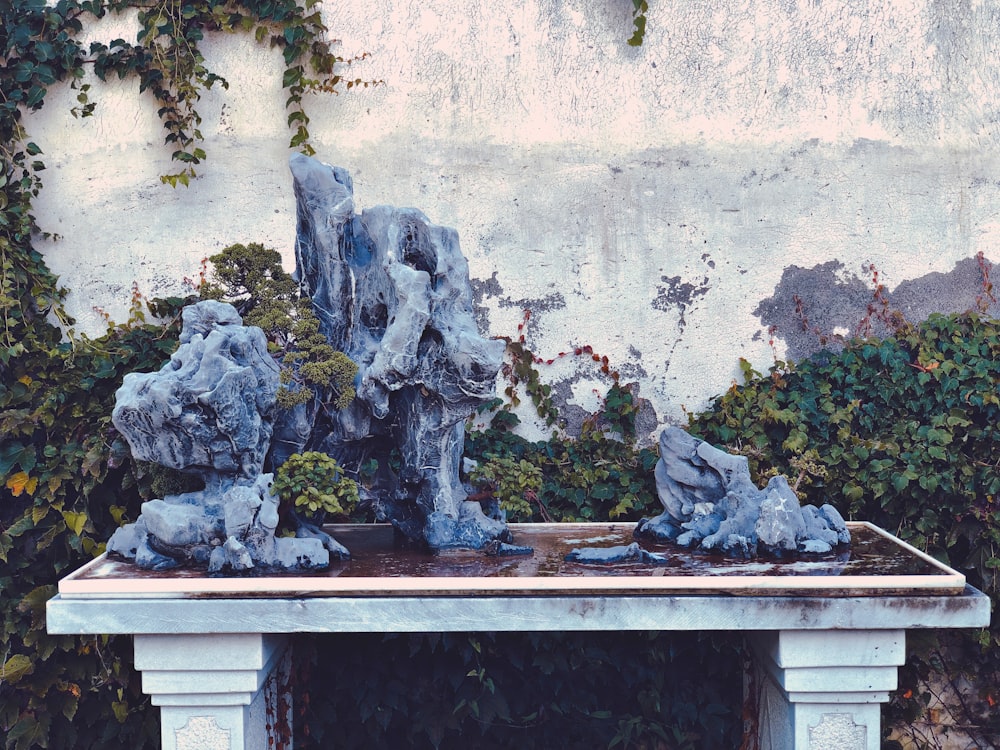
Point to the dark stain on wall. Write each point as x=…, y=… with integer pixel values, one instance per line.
x=554, y=301
x=827, y=299
x=483, y=289
x=633, y=369
x=677, y=294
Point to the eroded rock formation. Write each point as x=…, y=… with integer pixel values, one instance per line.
x=392, y=291
x=711, y=503
x=209, y=412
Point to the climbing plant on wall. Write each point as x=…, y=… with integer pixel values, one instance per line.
x=599, y=472
x=41, y=48
x=67, y=482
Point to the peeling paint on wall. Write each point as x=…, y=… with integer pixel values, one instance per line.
x=809, y=304
x=658, y=203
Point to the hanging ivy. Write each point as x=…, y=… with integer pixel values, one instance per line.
x=41, y=48
x=639, y=10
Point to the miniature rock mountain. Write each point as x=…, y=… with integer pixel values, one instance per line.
x=711, y=503
x=209, y=412
x=392, y=291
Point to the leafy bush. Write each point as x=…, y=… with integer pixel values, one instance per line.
x=514, y=483
x=903, y=432
x=600, y=475
x=314, y=484
x=590, y=478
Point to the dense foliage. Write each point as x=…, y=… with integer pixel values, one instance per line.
x=69, y=483
x=667, y=691
x=904, y=432
x=602, y=474
x=314, y=484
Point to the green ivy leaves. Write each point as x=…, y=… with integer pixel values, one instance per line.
x=640, y=8
x=67, y=486
x=903, y=432
x=39, y=45
x=601, y=474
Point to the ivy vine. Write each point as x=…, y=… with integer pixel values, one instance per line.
x=639, y=10
x=40, y=47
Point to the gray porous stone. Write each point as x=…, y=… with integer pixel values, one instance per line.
x=710, y=503
x=392, y=291
x=209, y=412
x=251, y=517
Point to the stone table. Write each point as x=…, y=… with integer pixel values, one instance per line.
x=827, y=640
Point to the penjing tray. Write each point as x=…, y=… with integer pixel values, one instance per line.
x=876, y=563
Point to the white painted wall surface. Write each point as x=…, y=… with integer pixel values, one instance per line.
x=640, y=200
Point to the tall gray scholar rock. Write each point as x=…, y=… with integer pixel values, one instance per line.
x=392, y=291
x=710, y=503
x=209, y=412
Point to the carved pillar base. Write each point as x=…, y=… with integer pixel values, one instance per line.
x=821, y=689
x=218, y=692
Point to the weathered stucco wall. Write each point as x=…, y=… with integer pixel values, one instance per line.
x=660, y=203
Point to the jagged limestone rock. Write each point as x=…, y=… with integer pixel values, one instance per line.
x=209, y=412
x=392, y=291
x=251, y=513
x=711, y=503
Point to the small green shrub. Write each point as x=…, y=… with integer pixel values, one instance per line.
x=514, y=483
x=600, y=475
x=250, y=277
x=314, y=484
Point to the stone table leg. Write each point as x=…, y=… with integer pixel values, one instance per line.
x=218, y=692
x=822, y=689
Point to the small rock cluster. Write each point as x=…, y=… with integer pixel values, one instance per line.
x=710, y=503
